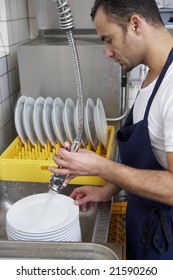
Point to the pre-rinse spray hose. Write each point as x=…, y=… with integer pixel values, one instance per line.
x=67, y=24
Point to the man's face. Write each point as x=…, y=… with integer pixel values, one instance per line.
x=122, y=47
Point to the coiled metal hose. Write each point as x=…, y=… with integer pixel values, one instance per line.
x=67, y=24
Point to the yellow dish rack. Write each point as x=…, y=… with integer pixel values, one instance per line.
x=117, y=230
x=28, y=163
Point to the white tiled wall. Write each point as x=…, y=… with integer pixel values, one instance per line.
x=17, y=25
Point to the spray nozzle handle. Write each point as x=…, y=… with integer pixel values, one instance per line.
x=56, y=182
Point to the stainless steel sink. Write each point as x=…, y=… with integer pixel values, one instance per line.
x=94, y=228
x=94, y=223
x=55, y=250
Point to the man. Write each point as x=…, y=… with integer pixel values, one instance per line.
x=133, y=33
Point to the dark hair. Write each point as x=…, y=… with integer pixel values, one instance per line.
x=120, y=11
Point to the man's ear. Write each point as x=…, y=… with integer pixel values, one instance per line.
x=135, y=22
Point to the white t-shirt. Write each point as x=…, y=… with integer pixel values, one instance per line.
x=160, y=118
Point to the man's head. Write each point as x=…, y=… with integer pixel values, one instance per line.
x=120, y=11
x=127, y=27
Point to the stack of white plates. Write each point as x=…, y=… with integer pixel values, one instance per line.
x=44, y=217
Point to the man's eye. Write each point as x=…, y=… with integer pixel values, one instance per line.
x=108, y=41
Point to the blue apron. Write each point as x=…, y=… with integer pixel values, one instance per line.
x=149, y=228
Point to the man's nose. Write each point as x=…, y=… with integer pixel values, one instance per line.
x=108, y=52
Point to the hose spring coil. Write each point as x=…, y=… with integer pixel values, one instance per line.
x=64, y=13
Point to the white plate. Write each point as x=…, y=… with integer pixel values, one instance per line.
x=28, y=119
x=18, y=119
x=68, y=119
x=40, y=213
x=101, y=123
x=74, y=236
x=56, y=231
x=89, y=123
x=69, y=238
x=70, y=229
x=68, y=232
x=37, y=120
x=47, y=121
x=57, y=120
x=76, y=123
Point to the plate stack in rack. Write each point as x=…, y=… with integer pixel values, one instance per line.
x=45, y=119
x=44, y=217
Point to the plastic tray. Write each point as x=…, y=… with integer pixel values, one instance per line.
x=29, y=163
